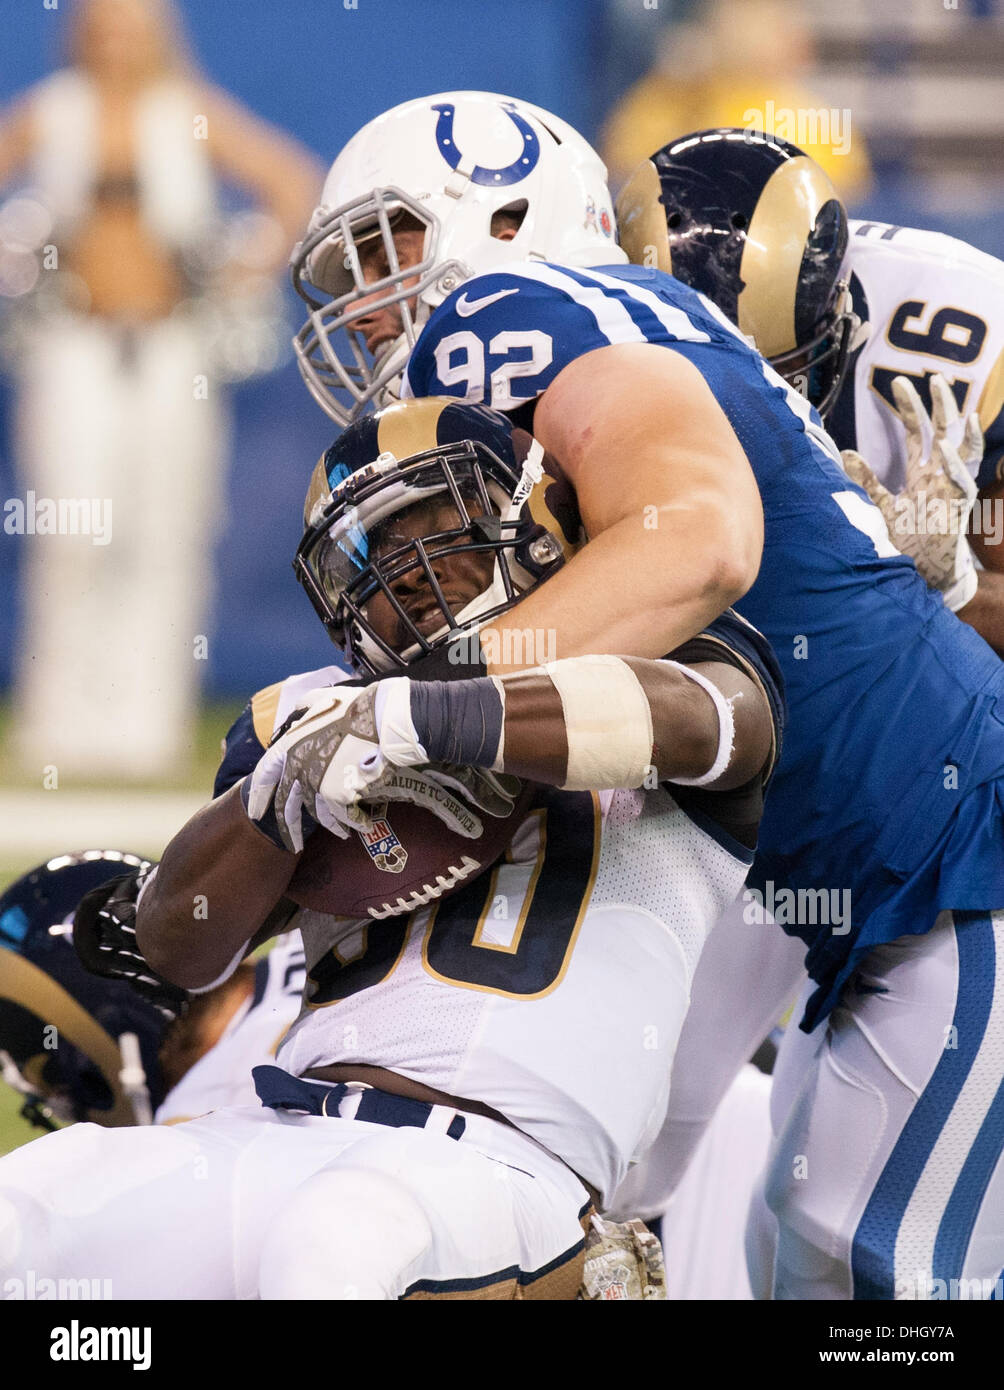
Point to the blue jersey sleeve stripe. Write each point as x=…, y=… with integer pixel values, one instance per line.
x=612, y=316
x=645, y=321
x=651, y=315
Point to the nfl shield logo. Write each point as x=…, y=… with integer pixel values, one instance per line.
x=382, y=845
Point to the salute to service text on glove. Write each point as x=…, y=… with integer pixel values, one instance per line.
x=349, y=749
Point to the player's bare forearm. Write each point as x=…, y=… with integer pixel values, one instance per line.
x=217, y=883
x=985, y=610
x=667, y=498
x=615, y=720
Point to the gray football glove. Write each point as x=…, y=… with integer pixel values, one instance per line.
x=929, y=519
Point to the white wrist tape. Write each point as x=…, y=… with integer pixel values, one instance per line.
x=399, y=741
x=608, y=722
x=726, y=728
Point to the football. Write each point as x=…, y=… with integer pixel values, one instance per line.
x=406, y=859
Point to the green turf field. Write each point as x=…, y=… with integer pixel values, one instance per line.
x=13, y=1130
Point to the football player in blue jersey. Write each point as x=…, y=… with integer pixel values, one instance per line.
x=726, y=211
x=481, y=182
x=882, y=843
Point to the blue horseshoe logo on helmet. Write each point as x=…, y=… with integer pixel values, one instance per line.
x=493, y=178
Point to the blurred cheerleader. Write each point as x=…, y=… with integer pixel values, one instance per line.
x=119, y=365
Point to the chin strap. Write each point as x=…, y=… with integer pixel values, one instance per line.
x=861, y=331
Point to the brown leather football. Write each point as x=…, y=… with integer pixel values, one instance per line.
x=407, y=859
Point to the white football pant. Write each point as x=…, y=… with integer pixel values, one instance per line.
x=885, y=1178
x=251, y=1202
x=749, y=973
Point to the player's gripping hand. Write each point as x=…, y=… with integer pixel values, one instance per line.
x=104, y=938
x=305, y=769
x=336, y=756
x=929, y=519
x=430, y=786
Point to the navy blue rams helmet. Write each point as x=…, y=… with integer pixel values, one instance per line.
x=488, y=490
x=61, y=1028
x=756, y=226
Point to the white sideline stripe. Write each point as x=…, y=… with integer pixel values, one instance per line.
x=917, y=1232
x=43, y=823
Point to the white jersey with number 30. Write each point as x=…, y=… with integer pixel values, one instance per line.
x=934, y=304
x=552, y=989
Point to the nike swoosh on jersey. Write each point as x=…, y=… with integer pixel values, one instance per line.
x=465, y=307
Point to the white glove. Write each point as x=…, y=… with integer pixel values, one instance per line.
x=300, y=768
x=929, y=519
x=493, y=794
x=333, y=761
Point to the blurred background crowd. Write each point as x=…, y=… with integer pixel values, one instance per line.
x=157, y=161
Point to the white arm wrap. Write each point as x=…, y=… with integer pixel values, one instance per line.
x=608, y=722
x=726, y=729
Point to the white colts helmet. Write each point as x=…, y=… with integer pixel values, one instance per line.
x=451, y=161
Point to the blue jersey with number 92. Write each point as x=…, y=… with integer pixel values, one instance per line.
x=891, y=780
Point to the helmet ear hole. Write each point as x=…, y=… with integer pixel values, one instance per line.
x=738, y=221
x=507, y=221
x=674, y=220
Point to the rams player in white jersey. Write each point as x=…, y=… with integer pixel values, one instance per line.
x=78, y=1047
x=933, y=309
x=460, y=1086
